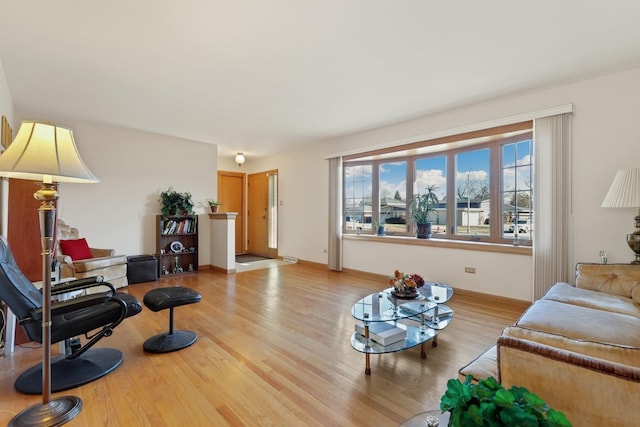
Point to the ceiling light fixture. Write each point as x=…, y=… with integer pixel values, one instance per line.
x=240, y=159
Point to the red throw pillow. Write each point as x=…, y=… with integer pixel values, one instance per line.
x=76, y=249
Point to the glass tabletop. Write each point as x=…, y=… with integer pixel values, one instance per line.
x=382, y=307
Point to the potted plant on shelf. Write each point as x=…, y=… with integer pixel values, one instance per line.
x=488, y=403
x=378, y=227
x=176, y=204
x=422, y=206
x=213, y=205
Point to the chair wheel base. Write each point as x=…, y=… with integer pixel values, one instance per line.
x=71, y=373
x=166, y=342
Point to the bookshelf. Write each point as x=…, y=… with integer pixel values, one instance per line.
x=176, y=244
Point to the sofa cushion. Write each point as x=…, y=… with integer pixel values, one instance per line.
x=616, y=279
x=564, y=292
x=577, y=322
x=623, y=354
x=483, y=366
x=76, y=248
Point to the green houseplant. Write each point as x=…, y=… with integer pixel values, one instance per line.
x=176, y=204
x=488, y=403
x=421, y=208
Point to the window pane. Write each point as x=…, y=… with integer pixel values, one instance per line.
x=517, y=190
x=432, y=171
x=393, y=196
x=472, y=193
x=357, y=197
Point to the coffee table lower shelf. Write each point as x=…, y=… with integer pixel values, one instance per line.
x=414, y=336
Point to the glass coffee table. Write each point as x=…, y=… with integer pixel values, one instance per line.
x=421, y=318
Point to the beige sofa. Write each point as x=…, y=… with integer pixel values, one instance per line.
x=578, y=347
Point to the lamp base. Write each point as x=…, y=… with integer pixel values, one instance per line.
x=633, y=240
x=55, y=413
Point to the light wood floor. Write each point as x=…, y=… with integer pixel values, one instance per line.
x=273, y=350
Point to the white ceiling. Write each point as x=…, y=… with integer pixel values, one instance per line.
x=264, y=76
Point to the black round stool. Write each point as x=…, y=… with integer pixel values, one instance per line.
x=161, y=299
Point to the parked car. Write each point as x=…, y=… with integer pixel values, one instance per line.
x=524, y=226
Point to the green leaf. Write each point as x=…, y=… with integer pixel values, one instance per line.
x=475, y=414
x=557, y=419
x=516, y=417
x=504, y=398
x=457, y=394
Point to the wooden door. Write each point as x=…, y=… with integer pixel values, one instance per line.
x=257, y=214
x=23, y=234
x=231, y=195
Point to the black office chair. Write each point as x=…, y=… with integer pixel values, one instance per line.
x=94, y=316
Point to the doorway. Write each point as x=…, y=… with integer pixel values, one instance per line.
x=231, y=195
x=262, y=213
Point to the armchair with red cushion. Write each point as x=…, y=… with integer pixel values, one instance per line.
x=79, y=260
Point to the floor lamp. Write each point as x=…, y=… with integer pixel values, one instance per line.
x=47, y=153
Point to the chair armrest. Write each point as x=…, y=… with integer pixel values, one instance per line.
x=65, y=259
x=100, y=253
x=86, y=283
x=72, y=305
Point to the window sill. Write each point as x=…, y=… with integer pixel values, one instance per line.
x=443, y=243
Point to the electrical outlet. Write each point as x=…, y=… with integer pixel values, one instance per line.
x=470, y=270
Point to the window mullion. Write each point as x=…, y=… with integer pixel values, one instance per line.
x=451, y=196
x=495, y=184
x=375, y=196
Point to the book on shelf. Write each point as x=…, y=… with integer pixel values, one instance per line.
x=184, y=226
x=382, y=332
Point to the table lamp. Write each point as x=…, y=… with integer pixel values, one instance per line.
x=625, y=193
x=45, y=152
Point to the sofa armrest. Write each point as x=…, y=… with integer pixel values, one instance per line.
x=100, y=253
x=96, y=264
x=589, y=390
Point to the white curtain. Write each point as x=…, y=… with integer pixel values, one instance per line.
x=335, y=214
x=552, y=202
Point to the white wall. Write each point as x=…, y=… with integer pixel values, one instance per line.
x=606, y=138
x=6, y=104
x=133, y=168
x=6, y=109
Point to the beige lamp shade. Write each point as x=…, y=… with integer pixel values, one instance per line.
x=624, y=191
x=44, y=152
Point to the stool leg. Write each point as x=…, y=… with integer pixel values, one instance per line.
x=171, y=321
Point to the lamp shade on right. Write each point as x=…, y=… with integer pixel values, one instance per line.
x=624, y=191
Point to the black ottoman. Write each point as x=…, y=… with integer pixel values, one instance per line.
x=161, y=299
